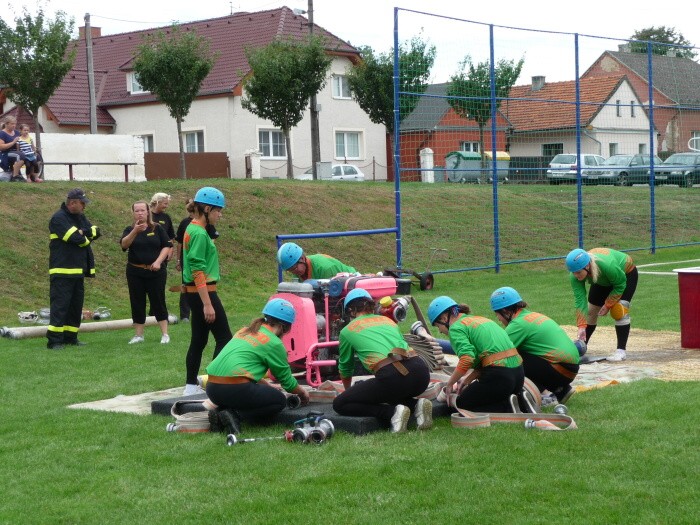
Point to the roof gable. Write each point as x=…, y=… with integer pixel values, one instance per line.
x=677, y=78
x=228, y=36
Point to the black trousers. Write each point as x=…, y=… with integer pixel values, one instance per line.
x=147, y=284
x=492, y=391
x=379, y=395
x=541, y=372
x=252, y=401
x=66, y=295
x=201, y=330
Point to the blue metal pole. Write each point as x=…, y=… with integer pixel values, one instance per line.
x=652, y=142
x=494, y=159
x=579, y=192
x=397, y=156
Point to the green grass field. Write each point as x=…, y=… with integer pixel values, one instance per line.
x=634, y=458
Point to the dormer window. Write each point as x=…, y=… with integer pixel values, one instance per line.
x=133, y=84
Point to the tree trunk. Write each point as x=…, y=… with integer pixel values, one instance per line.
x=288, y=145
x=183, y=171
x=481, y=146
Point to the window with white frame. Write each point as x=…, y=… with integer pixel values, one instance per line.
x=694, y=143
x=632, y=109
x=643, y=150
x=469, y=146
x=347, y=145
x=194, y=141
x=613, y=147
x=134, y=86
x=271, y=144
x=147, y=143
x=341, y=86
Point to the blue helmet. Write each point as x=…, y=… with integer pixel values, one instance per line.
x=289, y=254
x=210, y=196
x=577, y=260
x=438, y=306
x=280, y=309
x=356, y=293
x=504, y=297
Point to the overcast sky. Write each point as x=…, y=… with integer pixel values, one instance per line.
x=541, y=32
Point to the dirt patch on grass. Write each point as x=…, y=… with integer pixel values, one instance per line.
x=648, y=349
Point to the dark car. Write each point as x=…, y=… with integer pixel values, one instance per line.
x=680, y=168
x=626, y=169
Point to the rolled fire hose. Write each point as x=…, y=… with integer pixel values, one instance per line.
x=25, y=332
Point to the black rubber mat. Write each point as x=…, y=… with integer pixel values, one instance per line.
x=353, y=425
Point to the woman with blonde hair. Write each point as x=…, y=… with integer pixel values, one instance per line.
x=9, y=155
x=613, y=278
x=148, y=246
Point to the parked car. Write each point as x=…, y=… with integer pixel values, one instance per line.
x=338, y=172
x=563, y=167
x=680, y=168
x=626, y=169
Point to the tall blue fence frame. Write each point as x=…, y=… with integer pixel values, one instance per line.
x=494, y=167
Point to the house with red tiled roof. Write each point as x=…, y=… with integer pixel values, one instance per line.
x=544, y=122
x=217, y=122
x=676, y=92
x=535, y=122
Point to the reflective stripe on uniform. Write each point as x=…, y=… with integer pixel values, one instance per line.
x=57, y=329
x=70, y=232
x=73, y=329
x=68, y=271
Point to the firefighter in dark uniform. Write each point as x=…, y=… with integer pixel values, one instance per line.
x=70, y=261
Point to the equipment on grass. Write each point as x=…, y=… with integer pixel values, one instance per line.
x=313, y=340
x=293, y=400
x=313, y=429
x=424, y=280
x=581, y=346
x=101, y=312
x=27, y=317
x=191, y=422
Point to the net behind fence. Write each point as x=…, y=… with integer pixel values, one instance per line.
x=537, y=142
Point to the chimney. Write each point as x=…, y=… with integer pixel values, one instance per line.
x=624, y=48
x=537, y=83
x=95, y=32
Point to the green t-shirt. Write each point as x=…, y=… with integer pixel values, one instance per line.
x=537, y=334
x=372, y=338
x=323, y=266
x=474, y=337
x=613, y=268
x=251, y=356
x=199, y=253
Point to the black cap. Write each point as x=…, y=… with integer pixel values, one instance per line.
x=79, y=194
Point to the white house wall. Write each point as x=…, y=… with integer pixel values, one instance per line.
x=227, y=127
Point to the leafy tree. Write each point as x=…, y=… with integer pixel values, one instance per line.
x=663, y=39
x=372, y=80
x=469, y=91
x=285, y=74
x=35, y=58
x=173, y=67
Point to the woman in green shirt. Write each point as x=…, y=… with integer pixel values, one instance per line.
x=486, y=354
x=399, y=374
x=550, y=358
x=235, y=382
x=613, y=278
x=200, y=274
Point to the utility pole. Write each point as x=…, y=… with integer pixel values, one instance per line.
x=315, y=138
x=91, y=76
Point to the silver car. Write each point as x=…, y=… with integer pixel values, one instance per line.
x=563, y=167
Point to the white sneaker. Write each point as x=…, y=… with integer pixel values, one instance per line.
x=399, y=421
x=617, y=355
x=191, y=390
x=165, y=339
x=136, y=339
x=424, y=414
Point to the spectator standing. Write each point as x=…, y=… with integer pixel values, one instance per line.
x=148, y=246
x=159, y=203
x=200, y=274
x=70, y=261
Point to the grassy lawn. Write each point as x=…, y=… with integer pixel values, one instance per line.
x=634, y=458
